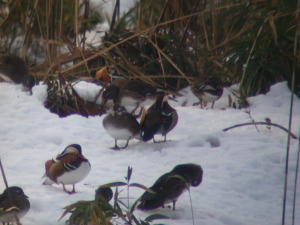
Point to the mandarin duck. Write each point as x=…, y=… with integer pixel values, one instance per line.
x=13, y=202
x=13, y=69
x=121, y=125
x=207, y=90
x=170, y=186
x=70, y=167
x=107, y=75
x=160, y=118
x=103, y=75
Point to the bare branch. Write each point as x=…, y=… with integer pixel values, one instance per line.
x=262, y=123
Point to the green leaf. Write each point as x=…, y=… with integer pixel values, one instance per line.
x=70, y=208
x=142, y=187
x=273, y=27
x=134, y=205
x=135, y=220
x=114, y=184
x=129, y=172
x=138, y=186
x=122, y=203
x=156, y=217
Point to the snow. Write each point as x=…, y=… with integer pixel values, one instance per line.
x=244, y=169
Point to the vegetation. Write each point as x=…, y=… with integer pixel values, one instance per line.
x=100, y=212
x=165, y=43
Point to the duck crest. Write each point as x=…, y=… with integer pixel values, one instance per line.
x=161, y=101
x=192, y=172
x=117, y=110
x=72, y=151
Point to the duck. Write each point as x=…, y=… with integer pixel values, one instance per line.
x=105, y=192
x=103, y=75
x=97, y=211
x=137, y=93
x=69, y=168
x=119, y=90
x=207, y=90
x=170, y=186
x=107, y=74
x=160, y=118
x=121, y=125
x=13, y=202
x=111, y=93
x=14, y=70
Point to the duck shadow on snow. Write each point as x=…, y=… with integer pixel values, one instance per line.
x=191, y=142
x=150, y=145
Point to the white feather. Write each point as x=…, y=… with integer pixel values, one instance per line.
x=75, y=176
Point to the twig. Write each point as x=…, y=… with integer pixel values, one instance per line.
x=253, y=121
x=169, y=60
x=116, y=15
x=187, y=25
x=191, y=207
x=296, y=181
x=252, y=48
x=295, y=68
x=262, y=123
x=145, y=31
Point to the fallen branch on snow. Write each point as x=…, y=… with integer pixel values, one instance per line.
x=262, y=123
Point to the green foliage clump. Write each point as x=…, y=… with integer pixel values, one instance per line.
x=101, y=212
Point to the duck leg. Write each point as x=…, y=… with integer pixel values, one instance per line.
x=116, y=147
x=174, y=202
x=69, y=192
x=126, y=145
x=64, y=188
x=140, y=113
x=196, y=103
x=73, y=190
x=154, y=140
x=136, y=107
x=212, y=105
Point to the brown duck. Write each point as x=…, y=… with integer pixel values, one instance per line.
x=170, y=186
x=121, y=125
x=160, y=118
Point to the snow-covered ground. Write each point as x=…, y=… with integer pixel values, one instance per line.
x=243, y=176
